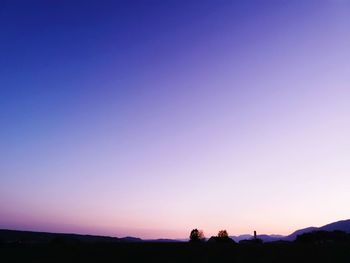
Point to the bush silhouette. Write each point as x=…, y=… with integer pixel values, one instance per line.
x=222, y=237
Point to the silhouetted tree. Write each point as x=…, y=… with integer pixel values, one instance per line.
x=223, y=234
x=197, y=235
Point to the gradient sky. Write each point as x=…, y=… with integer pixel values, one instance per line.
x=150, y=118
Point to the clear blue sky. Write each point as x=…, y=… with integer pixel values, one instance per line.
x=150, y=118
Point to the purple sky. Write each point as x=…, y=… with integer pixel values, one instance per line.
x=151, y=118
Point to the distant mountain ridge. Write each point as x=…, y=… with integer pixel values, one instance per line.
x=294, y=235
x=343, y=225
x=44, y=237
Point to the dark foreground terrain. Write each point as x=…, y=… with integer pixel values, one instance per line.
x=174, y=252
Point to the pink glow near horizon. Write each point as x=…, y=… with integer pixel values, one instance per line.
x=153, y=124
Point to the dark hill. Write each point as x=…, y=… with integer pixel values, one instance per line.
x=343, y=225
x=294, y=235
x=15, y=236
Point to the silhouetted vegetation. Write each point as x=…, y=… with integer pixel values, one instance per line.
x=335, y=247
x=174, y=252
x=223, y=234
x=197, y=236
x=222, y=237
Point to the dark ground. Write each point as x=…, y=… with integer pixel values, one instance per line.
x=174, y=252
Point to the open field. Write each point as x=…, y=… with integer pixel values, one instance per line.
x=174, y=252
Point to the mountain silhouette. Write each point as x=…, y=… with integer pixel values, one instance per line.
x=43, y=237
x=343, y=225
x=263, y=237
x=241, y=237
x=296, y=233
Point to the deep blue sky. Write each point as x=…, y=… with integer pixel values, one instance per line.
x=147, y=118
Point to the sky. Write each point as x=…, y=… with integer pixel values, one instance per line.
x=151, y=118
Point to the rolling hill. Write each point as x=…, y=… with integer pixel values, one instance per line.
x=44, y=237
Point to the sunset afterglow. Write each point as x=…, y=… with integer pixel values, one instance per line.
x=155, y=118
